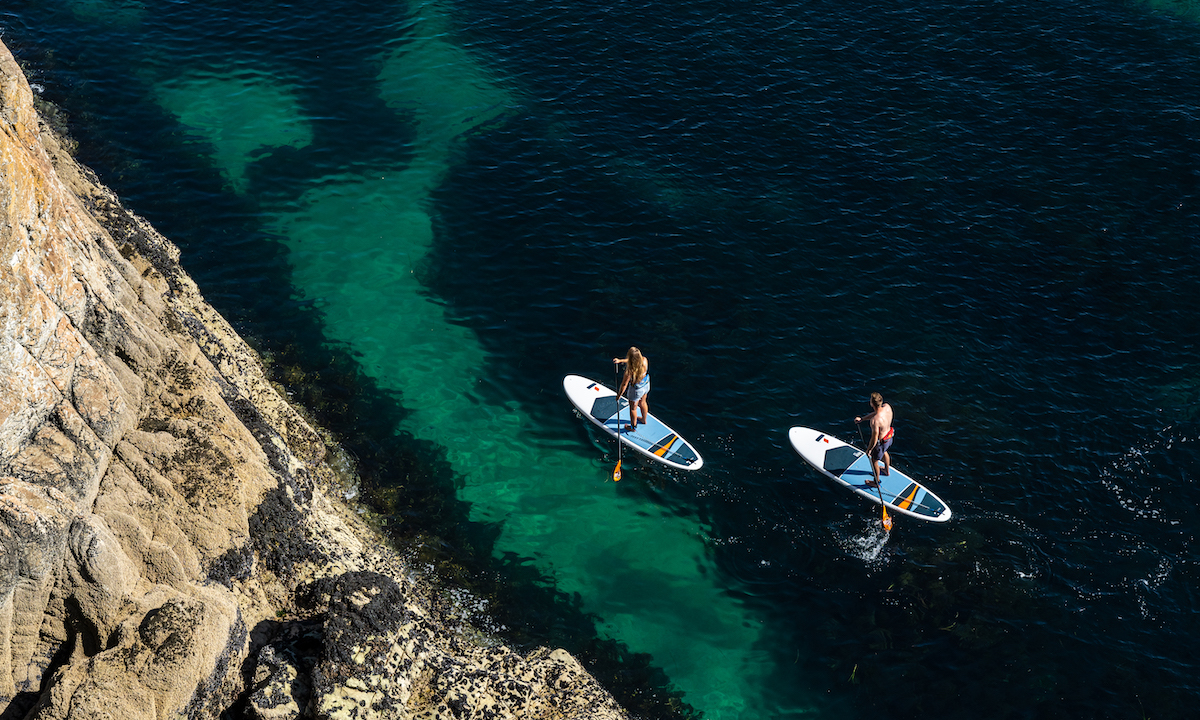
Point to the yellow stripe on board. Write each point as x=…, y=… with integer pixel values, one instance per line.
x=662, y=451
x=908, y=500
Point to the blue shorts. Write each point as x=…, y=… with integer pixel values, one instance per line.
x=634, y=393
x=878, y=451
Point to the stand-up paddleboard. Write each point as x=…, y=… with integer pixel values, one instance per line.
x=652, y=438
x=851, y=467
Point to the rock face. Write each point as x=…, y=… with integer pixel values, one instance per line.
x=171, y=546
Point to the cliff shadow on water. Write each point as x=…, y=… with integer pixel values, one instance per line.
x=419, y=249
x=405, y=483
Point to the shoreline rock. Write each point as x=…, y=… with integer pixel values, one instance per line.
x=173, y=540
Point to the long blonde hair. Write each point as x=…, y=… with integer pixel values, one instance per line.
x=635, y=365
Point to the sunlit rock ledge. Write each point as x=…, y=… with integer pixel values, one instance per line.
x=172, y=544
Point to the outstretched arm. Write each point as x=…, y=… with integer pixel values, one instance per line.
x=624, y=378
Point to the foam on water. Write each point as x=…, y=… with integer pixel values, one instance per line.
x=355, y=242
x=868, y=544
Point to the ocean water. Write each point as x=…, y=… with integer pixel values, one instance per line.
x=985, y=211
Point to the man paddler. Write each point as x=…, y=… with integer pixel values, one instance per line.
x=882, y=434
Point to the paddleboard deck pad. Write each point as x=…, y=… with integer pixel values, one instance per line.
x=851, y=467
x=651, y=438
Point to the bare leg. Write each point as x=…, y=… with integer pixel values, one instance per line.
x=874, y=469
x=645, y=407
x=887, y=463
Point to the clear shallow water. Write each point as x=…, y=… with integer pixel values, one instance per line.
x=986, y=211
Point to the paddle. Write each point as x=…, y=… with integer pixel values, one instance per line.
x=617, y=470
x=887, y=521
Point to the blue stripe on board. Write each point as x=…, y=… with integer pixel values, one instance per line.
x=891, y=486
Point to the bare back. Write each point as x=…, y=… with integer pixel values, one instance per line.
x=645, y=370
x=633, y=374
x=881, y=422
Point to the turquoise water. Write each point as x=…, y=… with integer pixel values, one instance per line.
x=355, y=242
x=988, y=212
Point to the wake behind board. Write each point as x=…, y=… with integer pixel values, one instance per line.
x=652, y=438
x=851, y=467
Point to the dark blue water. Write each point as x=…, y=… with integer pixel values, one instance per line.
x=986, y=211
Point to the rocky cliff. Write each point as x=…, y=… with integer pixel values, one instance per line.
x=172, y=545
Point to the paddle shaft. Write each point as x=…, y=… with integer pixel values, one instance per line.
x=887, y=522
x=617, y=472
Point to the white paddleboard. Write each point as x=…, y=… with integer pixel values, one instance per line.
x=851, y=467
x=652, y=438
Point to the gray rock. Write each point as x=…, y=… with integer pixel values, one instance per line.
x=281, y=692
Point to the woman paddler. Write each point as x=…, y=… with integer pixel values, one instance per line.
x=635, y=385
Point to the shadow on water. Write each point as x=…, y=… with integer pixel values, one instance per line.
x=156, y=166
x=1033, y=253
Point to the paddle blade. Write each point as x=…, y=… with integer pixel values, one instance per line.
x=887, y=521
x=617, y=472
